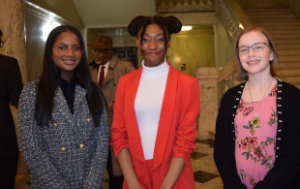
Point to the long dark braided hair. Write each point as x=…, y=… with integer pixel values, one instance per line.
x=169, y=25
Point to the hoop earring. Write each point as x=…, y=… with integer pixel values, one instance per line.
x=171, y=53
x=134, y=49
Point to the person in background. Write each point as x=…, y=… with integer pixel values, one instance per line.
x=155, y=113
x=258, y=126
x=106, y=70
x=62, y=120
x=11, y=86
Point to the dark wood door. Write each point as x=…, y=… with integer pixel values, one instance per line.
x=126, y=53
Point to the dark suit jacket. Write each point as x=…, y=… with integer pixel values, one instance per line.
x=10, y=89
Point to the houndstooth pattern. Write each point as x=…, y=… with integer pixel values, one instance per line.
x=50, y=168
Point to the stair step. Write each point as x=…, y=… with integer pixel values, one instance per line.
x=269, y=15
x=274, y=28
x=286, y=41
x=288, y=73
x=290, y=36
x=288, y=66
x=280, y=47
x=291, y=80
x=284, y=32
x=267, y=11
x=264, y=19
x=268, y=23
x=289, y=58
x=293, y=52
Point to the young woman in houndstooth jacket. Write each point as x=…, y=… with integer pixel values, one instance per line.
x=62, y=118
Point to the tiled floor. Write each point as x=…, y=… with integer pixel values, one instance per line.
x=205, y=171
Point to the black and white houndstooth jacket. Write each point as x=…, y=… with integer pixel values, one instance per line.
x=68, y=153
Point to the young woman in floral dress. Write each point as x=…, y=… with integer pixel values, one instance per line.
x=258, y=124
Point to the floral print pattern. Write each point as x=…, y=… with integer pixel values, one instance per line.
x=254, y=123
x=273, y=118
x=256, y=138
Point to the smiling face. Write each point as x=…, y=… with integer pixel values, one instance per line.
x=66, y=62
x=255, y=62
x=153, y=50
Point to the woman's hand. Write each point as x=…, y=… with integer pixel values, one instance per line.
x=176, y=166
x=126, y=166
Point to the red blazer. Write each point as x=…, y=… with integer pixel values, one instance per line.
x=176, y=131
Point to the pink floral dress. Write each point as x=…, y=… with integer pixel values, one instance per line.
x=256, y=138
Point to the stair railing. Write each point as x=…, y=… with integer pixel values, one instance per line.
x=234, y=20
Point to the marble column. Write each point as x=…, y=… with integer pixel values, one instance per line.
x=12, y=26
x=208, y=80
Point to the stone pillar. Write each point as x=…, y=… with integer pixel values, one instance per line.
x=12, y=26
x=208, y=83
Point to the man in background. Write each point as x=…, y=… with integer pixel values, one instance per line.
x=10, y=90
x=106, y=70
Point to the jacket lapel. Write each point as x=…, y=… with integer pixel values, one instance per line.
x=78, y=98
x=94, y=73
x=61, y=112
x=132, y=126
x=165, y=117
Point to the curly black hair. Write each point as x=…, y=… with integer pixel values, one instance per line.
x=169, y=25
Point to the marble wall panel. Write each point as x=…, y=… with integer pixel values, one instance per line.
x=195, y=49
x=38, y=24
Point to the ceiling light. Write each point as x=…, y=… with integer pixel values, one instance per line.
x=186, y=28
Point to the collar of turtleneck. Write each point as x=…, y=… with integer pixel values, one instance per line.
x=155, y=71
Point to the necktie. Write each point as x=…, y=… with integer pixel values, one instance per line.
x=101, y=79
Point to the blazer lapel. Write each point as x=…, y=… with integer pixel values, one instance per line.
x=165, y=117
x=61, y=112
x=132, y=126
x=78, y=98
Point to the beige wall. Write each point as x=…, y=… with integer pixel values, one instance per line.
x=195, y=48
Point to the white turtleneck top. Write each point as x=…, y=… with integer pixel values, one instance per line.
x=148, y=103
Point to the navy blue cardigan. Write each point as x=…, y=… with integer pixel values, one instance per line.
x=285, y=173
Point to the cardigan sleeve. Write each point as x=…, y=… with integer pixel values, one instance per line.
x=99, y=159
x=31, y=143
x=187, y=128
x=118, y=130
x=224, y=160
x=287, y=164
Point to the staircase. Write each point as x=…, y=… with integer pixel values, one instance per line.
x=285, y=31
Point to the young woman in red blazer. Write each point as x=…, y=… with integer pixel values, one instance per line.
x=156, y=106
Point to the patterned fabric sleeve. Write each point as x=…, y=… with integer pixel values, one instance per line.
x=32, y=145
x=186, y=131
x=99, y=160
